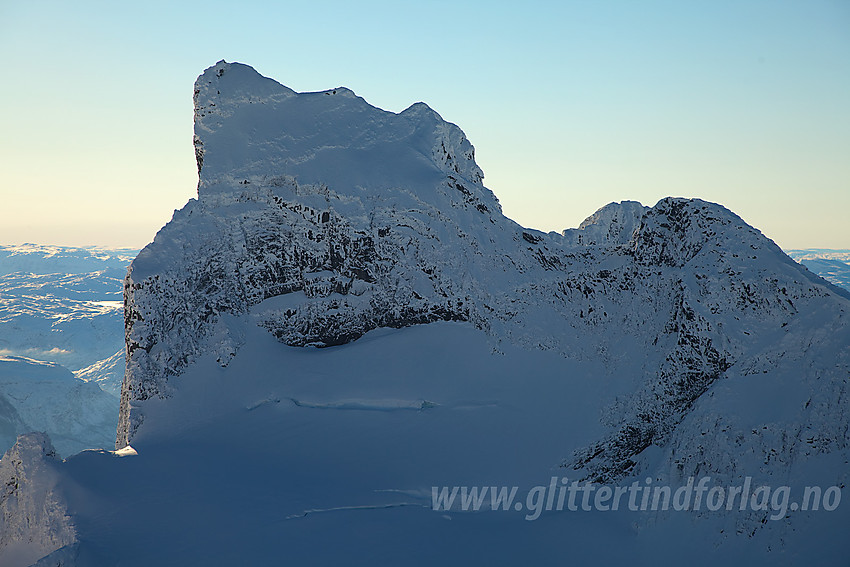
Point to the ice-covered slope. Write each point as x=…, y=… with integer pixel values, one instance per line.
x=44, y=396
x=329, y=456
x=107, y=373
x=654, y=342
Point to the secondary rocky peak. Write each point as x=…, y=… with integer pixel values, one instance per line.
x=676, y=230
x=612, y=225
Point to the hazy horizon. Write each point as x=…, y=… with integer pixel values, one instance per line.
x=569, y=106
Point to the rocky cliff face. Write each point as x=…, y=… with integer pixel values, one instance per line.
x=352, y=218
x=33, y=517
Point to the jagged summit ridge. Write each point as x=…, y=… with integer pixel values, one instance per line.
x=332, y=137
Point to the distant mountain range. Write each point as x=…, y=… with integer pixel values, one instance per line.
x=832, y=265
x=61, y=327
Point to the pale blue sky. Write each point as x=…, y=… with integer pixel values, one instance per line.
x=570, y=105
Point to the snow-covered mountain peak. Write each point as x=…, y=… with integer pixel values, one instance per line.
x=32, y=447
x=452, y=346
x=226, y=85
x=615, y=212
x=253, y=135
x=33, y=517
x=612, y=225
x=364, y=218
x=343, y=92
x=677, y=230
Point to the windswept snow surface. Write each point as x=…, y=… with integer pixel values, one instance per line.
x=231, y=471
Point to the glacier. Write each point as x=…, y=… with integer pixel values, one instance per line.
x=344, y=319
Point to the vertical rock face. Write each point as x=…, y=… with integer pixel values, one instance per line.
x=320, y=217
x=33, y=518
